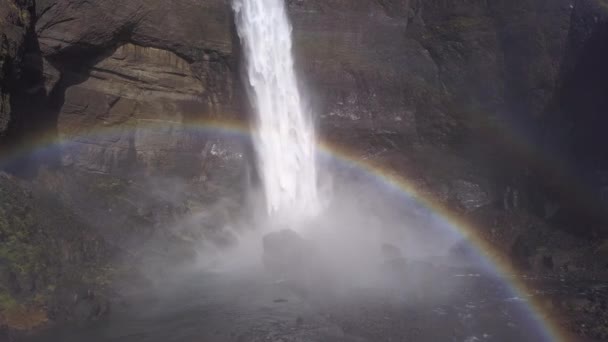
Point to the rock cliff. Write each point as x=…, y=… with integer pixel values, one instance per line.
x=433, y=73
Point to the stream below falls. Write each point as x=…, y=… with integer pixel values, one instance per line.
x=457, y=304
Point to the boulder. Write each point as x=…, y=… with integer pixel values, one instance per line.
x=391, y=252
x=285, y=252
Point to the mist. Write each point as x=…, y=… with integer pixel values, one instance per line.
x=362, y=238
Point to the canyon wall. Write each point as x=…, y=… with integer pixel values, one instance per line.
x=469, y=76
x=428, y=72
x=113, y=73
x=482, y=104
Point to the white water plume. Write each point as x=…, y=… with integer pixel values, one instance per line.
x=285, y=138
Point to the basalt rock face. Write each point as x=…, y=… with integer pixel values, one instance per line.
x=500, y=93
x=129, y=85
x=573, y=132
x=484, y=105
x=584, y=82
x=447, y=92
x=432, y=70
x=15, y=21
x=124, y=100
x=134, y=90
x=384, y=74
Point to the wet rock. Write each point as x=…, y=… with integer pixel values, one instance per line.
x=391, y=252
x=285, y=252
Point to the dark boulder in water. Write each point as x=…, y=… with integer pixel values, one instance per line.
x=393, y=261
x=284, y=252
x=391, y=252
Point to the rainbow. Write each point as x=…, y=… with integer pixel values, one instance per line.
x=381, y=175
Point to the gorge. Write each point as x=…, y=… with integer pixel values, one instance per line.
x=460, y=138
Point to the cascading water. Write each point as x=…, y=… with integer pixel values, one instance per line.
x=285, y=137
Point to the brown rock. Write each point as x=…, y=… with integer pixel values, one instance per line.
x=133, y=108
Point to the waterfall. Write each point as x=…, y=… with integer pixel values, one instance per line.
x=284, y=135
